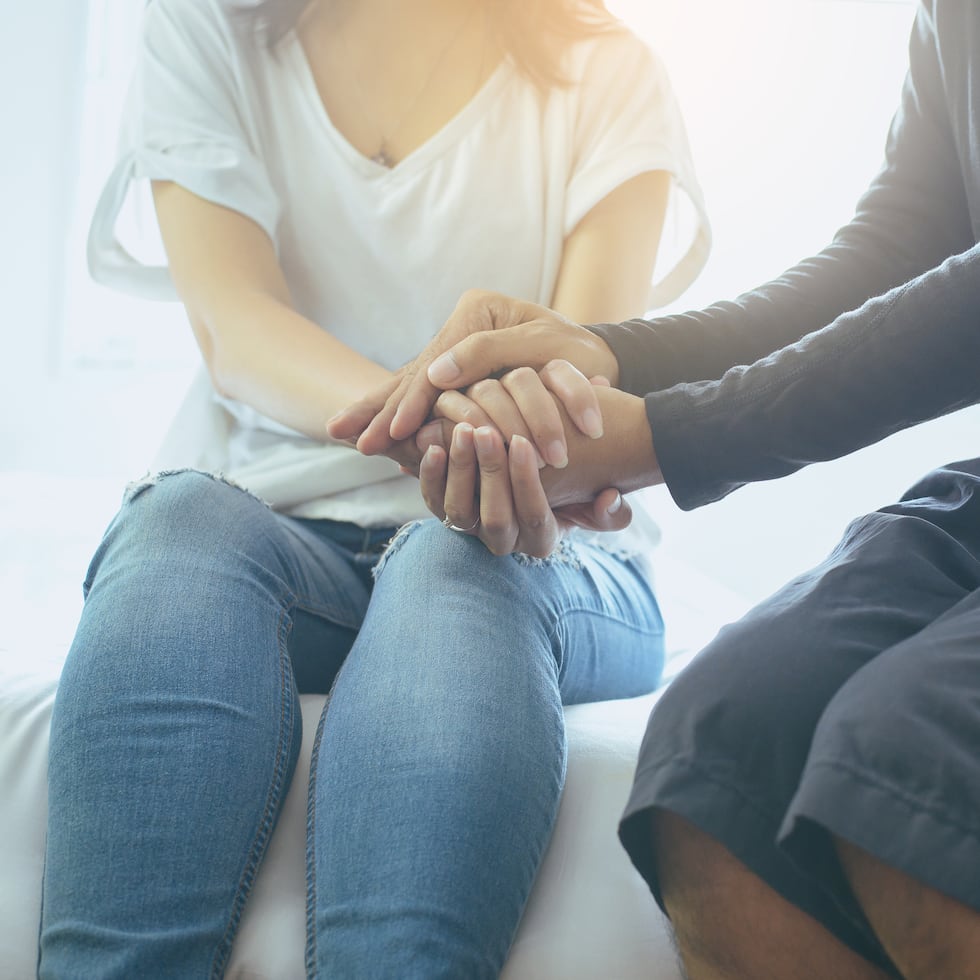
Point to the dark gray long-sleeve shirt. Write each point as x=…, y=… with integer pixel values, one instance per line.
x=879, y=331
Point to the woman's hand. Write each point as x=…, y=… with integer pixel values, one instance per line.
x=523, y=402
x=527, y=335
x=511, y=504
x=511, y=511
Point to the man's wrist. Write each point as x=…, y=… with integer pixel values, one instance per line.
x=630, y=454
x=623, y=457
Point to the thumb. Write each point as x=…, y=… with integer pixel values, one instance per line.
x=610, y=511
x=483, y=354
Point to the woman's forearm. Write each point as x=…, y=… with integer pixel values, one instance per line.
x=266, y=355
x=257, y=348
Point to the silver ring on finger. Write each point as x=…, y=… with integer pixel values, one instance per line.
x=447, y=522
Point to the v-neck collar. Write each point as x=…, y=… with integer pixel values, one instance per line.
x=422, y=154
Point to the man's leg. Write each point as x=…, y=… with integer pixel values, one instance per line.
x=728, y=744
x=729, y=923
x=716, y=906
x=892, y=765
x=898, y=745
x=926, y=933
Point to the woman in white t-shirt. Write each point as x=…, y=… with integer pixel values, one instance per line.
x=329, y=177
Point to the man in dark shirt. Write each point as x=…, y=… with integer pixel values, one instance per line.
x=807, y=799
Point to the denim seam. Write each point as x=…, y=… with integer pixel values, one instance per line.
x=311, y=896
x=273, y=801
x=606, y=617
x=560, y=623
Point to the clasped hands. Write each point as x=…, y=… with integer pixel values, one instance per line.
x=510, y=422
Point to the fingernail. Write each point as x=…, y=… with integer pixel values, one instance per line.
x=484, y=439
x=459, y=432
x=592, y=421
x=556, y=455
x=615, y=505
x=444, y=369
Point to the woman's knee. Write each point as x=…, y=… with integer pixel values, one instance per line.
x=181, y=517
x=177, y=585
x=452, y=574
x=194, y=504
x=427, y=548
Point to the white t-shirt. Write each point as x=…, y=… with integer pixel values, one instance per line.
x=380, y=257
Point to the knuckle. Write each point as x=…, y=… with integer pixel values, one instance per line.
x=495, y=525
x=499, y=540
x=484, y=388
x=519, y=377
x=535, y=521
x=471, y=414
x=491, y=468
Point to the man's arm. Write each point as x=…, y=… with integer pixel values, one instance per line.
x=902, y=358
x=913, y=216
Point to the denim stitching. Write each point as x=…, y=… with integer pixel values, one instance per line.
x=310, y=957
x=272, y=805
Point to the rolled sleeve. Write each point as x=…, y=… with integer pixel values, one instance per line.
x=187, y=120
x=629, y=123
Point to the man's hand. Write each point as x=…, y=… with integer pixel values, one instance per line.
x=486, y=333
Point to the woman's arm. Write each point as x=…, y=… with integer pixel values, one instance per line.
x=257, y=348
x=605, y=273
x=608, y=259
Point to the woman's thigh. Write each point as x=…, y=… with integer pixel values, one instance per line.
x=589, y=617
x=193, y=557
x=177, y=711
x=443, y=744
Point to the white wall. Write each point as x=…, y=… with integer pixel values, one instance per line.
x=88, y=378
x=42, y=49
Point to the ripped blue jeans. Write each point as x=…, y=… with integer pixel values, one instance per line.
x=438, y=762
